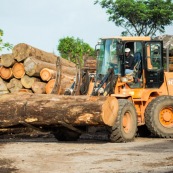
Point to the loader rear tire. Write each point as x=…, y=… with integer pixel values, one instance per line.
x=159, y=116
x=125, y=127
x=64, y=134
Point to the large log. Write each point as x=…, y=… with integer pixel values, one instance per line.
x=66, y=82
x=27, y=81
x=39, y=87
x=18, y=70
x=43, y=109
x=22, y=51
x=33, y=66
x=47, y=74
x=14, y=85
x=7, y=60
x=6, y=73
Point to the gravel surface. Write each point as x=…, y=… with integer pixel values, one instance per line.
x=47, y=155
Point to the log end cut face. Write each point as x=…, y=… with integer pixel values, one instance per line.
x=110, y=111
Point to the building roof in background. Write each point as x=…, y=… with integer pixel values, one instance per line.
x=167, y=40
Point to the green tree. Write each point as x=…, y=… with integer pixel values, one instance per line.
x=139, y=17
x=4, y=45
x=73, y=49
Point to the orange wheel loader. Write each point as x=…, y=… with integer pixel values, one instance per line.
x=144, y=96
x=111, y=98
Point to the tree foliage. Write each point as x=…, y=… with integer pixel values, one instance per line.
x=139, y=17
x=71, y=49
x=4, y=45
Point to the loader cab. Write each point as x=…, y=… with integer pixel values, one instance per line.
x=148, y=71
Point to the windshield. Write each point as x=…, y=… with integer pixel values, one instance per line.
x=107, y=57
x=154, y=56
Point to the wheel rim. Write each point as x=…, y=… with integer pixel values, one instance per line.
x=127, y=119
x=166, y=117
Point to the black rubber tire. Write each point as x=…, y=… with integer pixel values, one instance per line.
x=152, y=114
x=64, y=134
x=118, y=133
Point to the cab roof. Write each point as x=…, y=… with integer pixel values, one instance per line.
x=132, y=38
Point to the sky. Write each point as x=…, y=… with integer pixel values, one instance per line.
x=41, y=23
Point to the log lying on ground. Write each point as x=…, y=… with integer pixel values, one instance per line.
x=22, y=51
x=14, y=85
x=18, y=70
x=27, y=81
x=39, y=87
x=7, y=60
x=3, y=87
x=6, y=73
x=43, y=109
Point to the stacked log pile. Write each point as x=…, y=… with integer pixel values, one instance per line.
x=28, y=69
x=90, y=64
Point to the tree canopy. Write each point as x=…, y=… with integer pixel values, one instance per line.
x=71, y=48
x=4, y=45
x=139, y=17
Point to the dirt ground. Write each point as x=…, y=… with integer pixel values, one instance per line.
x=47, y=155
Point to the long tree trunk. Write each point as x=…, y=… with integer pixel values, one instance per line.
x=22, y=51
x=33, y=67
x=43, y=109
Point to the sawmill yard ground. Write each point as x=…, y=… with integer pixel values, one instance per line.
x=44, y=154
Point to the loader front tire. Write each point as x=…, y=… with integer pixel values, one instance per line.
x=64, y=134
x=159, y=116
x=125, y=127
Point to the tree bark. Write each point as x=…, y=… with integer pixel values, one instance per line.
x=22, y=51
x=18, y=70
x=25, y=90
x=66, y=82
x=27, y=81
x=6, y=73
x=33, y=66
x=47, y=74
x=43, y=109
x=39, y=87
x=7, y=60
x=14, y=85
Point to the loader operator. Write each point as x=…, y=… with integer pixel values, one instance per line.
x=129, y=61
